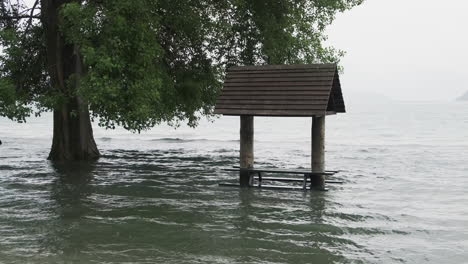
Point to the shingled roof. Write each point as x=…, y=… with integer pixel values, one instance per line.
x=281, y=90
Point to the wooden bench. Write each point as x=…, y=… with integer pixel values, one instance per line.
x=307, y=175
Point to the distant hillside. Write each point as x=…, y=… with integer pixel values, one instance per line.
x=463, y=97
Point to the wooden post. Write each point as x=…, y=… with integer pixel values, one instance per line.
x=318, y=152
x=246, y=150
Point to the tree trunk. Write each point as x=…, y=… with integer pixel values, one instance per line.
x=73, y=134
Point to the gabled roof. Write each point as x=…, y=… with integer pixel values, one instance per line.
x=281, y=90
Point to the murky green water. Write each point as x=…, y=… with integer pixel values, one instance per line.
x=154, y=198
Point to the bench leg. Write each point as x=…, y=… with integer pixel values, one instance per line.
x=259, y=179
x=304, y=183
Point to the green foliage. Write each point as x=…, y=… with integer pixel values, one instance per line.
x=152, y=61
x=23, y=81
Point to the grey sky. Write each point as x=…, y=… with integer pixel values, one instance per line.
x=404, y=49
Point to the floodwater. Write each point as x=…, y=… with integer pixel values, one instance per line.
x=154, y=197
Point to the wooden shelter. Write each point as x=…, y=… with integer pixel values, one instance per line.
x=311, y=90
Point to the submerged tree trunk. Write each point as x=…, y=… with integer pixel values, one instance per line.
x=73, y=134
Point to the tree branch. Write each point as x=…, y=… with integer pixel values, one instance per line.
x=19, y=17
x=31, y=16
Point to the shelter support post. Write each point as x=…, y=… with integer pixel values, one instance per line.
x=246, y=150
x=318, y=152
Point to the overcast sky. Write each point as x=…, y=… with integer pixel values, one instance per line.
x=404, y=49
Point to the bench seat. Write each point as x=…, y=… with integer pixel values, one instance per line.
x=307, y=175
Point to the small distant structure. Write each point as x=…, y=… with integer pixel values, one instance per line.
x=464, y=97
x=311, y=90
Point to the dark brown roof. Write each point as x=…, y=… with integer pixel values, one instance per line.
x=281, y=90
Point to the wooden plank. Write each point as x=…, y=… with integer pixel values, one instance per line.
x=322, y=107
x=281, y=179
x=281, y=170
x=274, y=75
x=334, y=182
x=294, y=180
x=284, y=89
x=287, y=98
x=232, y=79
x=254, y=170
x=283, y=67
x=285, y=113
x=264, y=113
x=277, y=88
x=282, y=70
x=301, y=93
x=270, y=187
x=327, y=83
x=316, y=66
x=222, y=102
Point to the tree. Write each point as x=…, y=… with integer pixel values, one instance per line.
x=142, y=62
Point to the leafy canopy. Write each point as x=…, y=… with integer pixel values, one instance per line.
x=152, y=61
